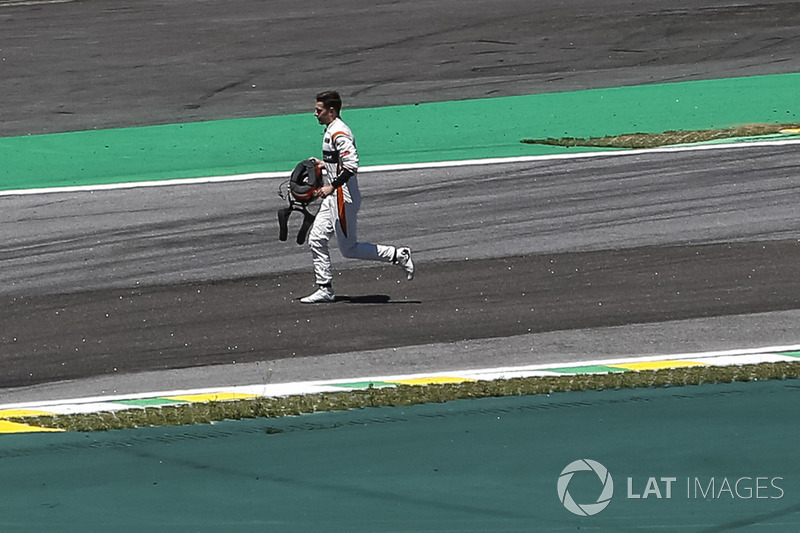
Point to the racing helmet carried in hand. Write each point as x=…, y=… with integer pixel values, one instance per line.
x=306, y=178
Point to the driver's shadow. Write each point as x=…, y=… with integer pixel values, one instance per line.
x=373, y=299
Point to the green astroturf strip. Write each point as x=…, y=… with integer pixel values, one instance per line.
x=591, y=369
x=790, y=354
x=363, y=384
x=469, y=129
x=148, y=402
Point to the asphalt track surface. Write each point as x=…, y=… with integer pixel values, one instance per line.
x=99, y=64
x=661, y=252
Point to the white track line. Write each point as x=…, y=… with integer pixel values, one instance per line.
x=398, y=167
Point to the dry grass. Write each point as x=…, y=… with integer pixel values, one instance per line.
x=203, y=413
x=654, y=140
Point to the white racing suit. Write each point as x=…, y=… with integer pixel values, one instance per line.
x=338, y=212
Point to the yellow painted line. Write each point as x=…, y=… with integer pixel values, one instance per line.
x=18, y=413
x=6, y=426
x=657, y=365
x=14, y=427
x=431, y=381
x=793, y=131
x=212, y=397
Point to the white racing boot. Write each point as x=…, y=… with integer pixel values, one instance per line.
x=321, y=295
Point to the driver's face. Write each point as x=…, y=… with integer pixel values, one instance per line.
x=324, y=116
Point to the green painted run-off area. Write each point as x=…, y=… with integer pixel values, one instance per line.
x=470, y=129
x=468, y=466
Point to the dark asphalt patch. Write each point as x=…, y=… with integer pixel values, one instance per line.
x=61, y=337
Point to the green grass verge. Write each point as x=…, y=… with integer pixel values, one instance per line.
x=655, y=140
x=204, y=413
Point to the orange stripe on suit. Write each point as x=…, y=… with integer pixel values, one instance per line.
x=342, y=213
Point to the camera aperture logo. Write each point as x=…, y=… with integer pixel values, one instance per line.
x=585, y=509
